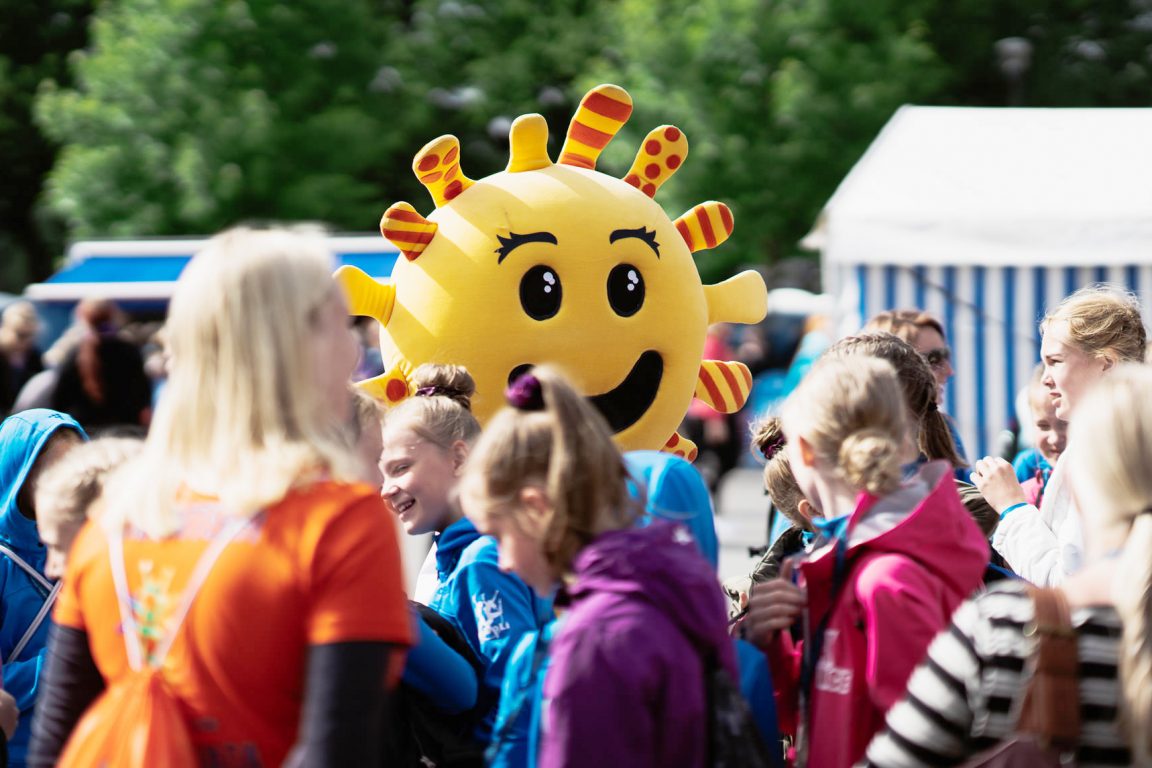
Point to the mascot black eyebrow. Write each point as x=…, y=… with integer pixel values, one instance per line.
x=558, y=263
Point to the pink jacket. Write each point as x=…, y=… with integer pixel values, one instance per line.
x=911, y=558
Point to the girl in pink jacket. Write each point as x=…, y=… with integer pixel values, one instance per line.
x=893, y=558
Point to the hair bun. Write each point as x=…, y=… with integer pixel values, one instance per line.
x=450, y=381
x=870, y=460
x=768, y=437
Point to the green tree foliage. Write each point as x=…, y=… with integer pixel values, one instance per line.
x=189, y=115
x=780, y=98
x=35, y=39
x=469, y=69
x=1083, y=53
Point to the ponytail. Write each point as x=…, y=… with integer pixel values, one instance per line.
x=870, y=460
x=551, y=436
x=1109, y=452
x=936, y=441
x=1133, y=598
x=779, y=482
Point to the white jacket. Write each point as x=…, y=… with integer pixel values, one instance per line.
x=1044, y=545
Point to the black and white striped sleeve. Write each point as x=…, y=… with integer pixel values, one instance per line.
x=930, y=726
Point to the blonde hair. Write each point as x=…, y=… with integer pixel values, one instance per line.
x=1103, y=321
x=67, y=489
x=441, y=410
x=852, y=413
x=768, y=439
x=904, y=324
x=1110, y=456
x=367, y=413
x=566, y=447
x=243, y=417
x=933, y=436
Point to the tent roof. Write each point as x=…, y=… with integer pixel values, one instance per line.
x=147, y=270
x=996, y=186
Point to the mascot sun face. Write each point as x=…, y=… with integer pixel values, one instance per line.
x=560, y=264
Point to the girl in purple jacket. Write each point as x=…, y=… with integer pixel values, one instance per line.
x=644, y=618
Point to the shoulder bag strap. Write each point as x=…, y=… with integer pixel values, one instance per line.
x=195, y=581
x=1051, y=708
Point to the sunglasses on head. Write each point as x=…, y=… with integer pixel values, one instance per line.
x=937, y=357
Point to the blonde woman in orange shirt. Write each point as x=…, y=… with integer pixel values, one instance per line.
x=287, y=644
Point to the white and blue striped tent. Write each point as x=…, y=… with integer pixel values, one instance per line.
x=986, y=218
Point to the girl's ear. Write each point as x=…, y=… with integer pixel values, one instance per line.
x=805, y=510
x=807, y=454
x=459, y=456
x=1109, y=360
x=536, y=506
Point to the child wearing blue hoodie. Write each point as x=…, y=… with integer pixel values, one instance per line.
x=30, y=442
x=426, y=440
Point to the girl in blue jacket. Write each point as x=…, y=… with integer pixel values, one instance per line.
x=30, y=441
x=426, y=440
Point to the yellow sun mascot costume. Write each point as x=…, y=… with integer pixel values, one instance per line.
x=557, y=263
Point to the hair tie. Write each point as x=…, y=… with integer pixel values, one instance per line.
x=774, y=447
x=525, y=394
x=437, y=391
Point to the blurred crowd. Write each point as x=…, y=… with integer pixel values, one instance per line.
x=199, y=558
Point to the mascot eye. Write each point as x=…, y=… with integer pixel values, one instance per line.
x=540, y=292
x=625, y=290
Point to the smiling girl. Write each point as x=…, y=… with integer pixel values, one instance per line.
x=1085, y=337
x=426, y=440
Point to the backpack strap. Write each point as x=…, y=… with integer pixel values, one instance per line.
x=199, y=574
x=1051, y=707
x=34, y=574
x=42, y=614
x=46, y=586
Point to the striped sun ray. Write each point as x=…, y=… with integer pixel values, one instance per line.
x=602, y=113
x=723, y=385
x=705, y=226
x=407, y=230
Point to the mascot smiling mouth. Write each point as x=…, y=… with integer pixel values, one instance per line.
x=623, y=405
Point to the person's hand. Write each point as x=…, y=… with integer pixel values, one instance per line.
x=997, y=482
x=9, y=714
x=774, y=605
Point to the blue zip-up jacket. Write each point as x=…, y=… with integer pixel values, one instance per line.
x=22, y=438
x=516, y=735
x=492, y=609
x=438, y=672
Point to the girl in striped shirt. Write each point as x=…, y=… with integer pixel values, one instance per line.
x=965, y=696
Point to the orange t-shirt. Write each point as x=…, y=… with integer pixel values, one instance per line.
x=321, y=566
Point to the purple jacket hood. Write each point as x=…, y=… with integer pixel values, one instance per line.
x=661, y=566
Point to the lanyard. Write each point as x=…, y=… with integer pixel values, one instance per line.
x=814, y=642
